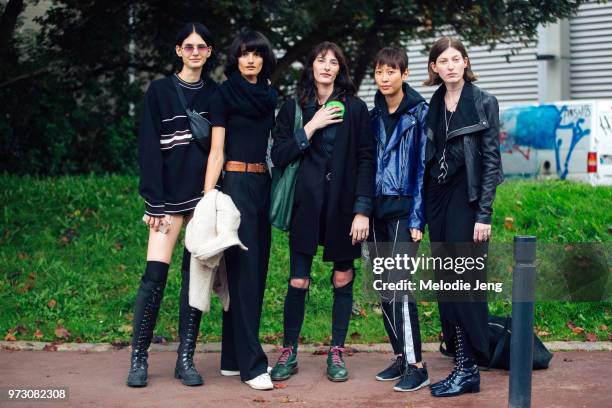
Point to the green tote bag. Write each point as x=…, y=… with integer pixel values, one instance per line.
x=283, y=185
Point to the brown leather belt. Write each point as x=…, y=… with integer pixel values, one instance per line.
x=245, y=167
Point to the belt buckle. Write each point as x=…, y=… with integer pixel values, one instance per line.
x=328, y=176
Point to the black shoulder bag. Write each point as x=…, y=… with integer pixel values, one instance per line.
x=200, y=126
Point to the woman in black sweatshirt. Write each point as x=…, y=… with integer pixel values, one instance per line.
x=172, y=169
x=242, y=115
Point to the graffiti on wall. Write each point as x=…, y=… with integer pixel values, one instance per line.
x=529, y=129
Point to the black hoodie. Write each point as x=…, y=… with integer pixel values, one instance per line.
x=410, y=100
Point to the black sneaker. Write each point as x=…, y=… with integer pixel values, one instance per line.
x=413, y=379
x=394, y=371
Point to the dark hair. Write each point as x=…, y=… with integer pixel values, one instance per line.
x=394, y=57
x=250, y=41
x=441, y=45
x=200, y=29
x=343, y=83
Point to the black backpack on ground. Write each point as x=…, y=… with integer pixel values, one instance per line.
x=499, y=346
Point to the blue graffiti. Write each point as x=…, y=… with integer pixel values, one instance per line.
x=536, y=127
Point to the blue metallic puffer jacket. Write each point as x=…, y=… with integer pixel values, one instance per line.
x=400, y=163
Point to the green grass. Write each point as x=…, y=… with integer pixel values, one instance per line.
x=72, y=251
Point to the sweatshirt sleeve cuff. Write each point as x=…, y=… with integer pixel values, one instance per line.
x=301, y=139
x=363, y=206
x=154, y=210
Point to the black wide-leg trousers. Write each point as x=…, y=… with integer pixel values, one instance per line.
x=246, y=274
x=451, y=220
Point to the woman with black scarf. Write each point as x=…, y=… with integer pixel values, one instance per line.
x=242, y=115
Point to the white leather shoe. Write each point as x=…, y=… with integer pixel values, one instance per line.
x=261, y=382
x=232, y=373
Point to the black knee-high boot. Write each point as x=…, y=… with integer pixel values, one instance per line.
x=189, y=327
x=465, y=376
x=146, y=309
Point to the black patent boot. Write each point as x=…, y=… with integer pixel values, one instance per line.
x=189, y=327
x=146, y=309
x=465, y=376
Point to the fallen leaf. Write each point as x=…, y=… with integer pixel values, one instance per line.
x=126, y=328
x=567, y=360
x=363, y=313
x=509, y=223
x=50, y=347
x=428, y=313
x=280, y=386
x=118, y=246
x=62, y=332
x=159, y=340
x=577, y=330
x=423, y=303
x=543, y=333
x=10, y=336
x=603, y=327
x=22, y=330
x=38, y=334
x=286, y=400
x=591, y=337
x=319, y=352
x=570, y=325
x=78, y=340
x=355, y=335
x=51, y=303
x=22, y=255
x=118, y=343
x=121, y=267
x=258, y=399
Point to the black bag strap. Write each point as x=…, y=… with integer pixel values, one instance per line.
x=501, y=344
x=179, y=91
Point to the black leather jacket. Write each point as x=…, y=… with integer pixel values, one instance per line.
x=480, y=130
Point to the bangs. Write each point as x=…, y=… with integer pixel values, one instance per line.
x=392, y=57
x=253, y=43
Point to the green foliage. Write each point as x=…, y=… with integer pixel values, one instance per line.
x=66, y=90
x=72, y=250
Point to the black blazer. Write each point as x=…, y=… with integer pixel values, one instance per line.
x=480, y=142
x=352, y=175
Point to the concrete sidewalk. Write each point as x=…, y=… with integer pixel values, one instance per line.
x=97, y=379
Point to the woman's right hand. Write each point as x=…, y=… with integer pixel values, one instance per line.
x=156, y=222
x=322, y=118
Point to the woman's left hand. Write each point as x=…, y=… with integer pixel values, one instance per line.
x=482, y=232
x=360, y=228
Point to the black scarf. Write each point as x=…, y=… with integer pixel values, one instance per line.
x=252, y=100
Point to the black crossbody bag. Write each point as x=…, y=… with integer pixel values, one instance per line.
x=200, y=126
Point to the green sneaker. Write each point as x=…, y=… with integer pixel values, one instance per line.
x=336, y=369
x=286, y=365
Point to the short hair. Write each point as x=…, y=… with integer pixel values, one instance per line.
x=250, y=41
x=441, y=45
x=394, y=57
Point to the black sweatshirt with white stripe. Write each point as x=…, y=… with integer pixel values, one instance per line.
x=172, y=164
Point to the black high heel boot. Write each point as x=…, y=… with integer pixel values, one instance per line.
x=146, y=309
x=189, y=327
x=465, y=376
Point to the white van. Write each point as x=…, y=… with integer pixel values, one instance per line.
x=567, y=140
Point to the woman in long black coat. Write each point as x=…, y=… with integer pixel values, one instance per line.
x=462, y=172
x=333, y=194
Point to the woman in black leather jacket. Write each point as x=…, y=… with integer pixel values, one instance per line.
x=463, y=169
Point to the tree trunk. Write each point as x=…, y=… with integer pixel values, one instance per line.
x=8, y=23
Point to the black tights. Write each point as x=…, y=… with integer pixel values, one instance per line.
x=295, y=300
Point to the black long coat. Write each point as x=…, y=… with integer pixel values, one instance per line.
x=352, y=175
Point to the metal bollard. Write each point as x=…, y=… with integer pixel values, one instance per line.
x=521, y=343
